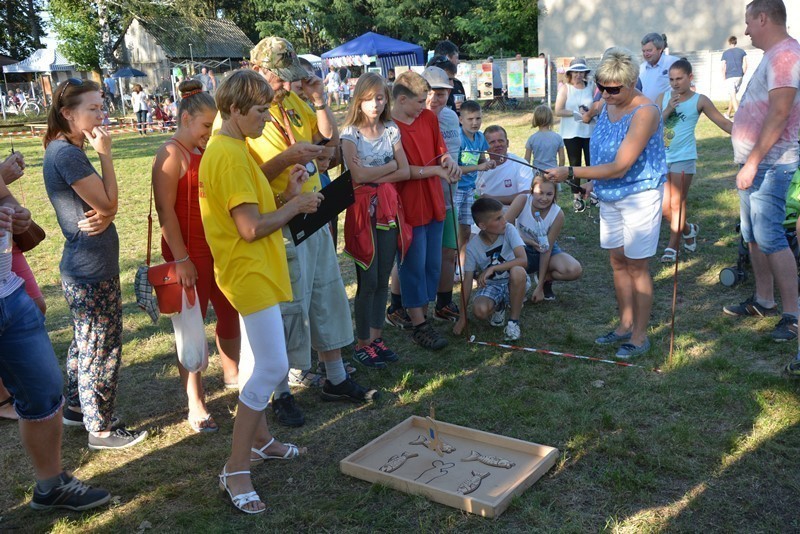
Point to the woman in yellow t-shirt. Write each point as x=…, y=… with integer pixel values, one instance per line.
x=242, y=225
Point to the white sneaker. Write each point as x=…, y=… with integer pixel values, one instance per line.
x=498, y=317
x=512, y=331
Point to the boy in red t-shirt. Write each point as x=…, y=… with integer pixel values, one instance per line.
x=423, y=202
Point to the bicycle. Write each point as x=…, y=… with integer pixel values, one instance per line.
x=28, y=109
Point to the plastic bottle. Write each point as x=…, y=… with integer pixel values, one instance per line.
x=541, y=232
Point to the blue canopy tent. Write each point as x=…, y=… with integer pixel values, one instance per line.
x=388, y=52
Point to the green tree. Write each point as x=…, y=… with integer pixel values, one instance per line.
x=21, y=30
x=76, y=23
x=424, y=22
x=501, y=25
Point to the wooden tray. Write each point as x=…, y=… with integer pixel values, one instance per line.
x=416, y=475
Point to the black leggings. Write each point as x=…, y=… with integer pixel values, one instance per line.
x=373, y=283
x=574, y=147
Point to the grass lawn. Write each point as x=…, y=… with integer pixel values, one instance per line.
x=708, y=444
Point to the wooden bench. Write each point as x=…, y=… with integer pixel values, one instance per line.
x=37, y=128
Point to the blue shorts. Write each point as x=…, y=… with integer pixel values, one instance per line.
x=533, y=257
x=28, y=365
x=762, y=207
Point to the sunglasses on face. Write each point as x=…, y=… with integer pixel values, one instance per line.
x=612, y=90
x=70, y=81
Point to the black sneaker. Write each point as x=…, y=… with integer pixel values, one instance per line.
x=367, y=357
x=547, y=289
x=426, y=336
x=287, y=411
x=786, y=330
x=384, y=353
x=348, y=390
x=119, y=439
x=71, y=494
x=750, y=308
x=73, y=418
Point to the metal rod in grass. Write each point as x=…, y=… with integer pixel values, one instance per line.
x=675, y=272
x=561, y=354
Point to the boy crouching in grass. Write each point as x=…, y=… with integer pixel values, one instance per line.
x=498, y=258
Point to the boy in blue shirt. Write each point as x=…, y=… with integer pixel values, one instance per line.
x=471, y=159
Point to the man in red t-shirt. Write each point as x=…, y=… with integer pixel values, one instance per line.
x=423, y=203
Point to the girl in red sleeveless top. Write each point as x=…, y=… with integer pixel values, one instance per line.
x=175, y=191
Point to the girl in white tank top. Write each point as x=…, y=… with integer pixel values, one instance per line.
x=550, y=264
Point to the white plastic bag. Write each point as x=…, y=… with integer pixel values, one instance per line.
x=190, y=336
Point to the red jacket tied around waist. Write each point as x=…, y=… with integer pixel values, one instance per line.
x=358, y=240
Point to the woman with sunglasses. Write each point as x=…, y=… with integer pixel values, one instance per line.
x=629, y=170
x=85, y=203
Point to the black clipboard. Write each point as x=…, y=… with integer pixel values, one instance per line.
x=338, y=196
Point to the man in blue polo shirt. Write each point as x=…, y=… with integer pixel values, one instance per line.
x=654, y=70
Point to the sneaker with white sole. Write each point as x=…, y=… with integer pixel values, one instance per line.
x=498, y=317
x=512, y=331
x=70, y=494
x=119, y=439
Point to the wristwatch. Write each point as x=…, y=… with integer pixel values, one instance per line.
x=570, y=173
x=320, y=107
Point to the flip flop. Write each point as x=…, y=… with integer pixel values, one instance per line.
x=207, y=425
x=9, y=400
x=292, y=452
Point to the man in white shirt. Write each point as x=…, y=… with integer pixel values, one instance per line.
x=654, y=70
x=510, y=177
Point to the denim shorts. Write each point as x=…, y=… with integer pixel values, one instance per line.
x=762, y=207
x=688, y=166
x=28, y=365
x=533, y=257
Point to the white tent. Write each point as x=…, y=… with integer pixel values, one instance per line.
x=42, y=60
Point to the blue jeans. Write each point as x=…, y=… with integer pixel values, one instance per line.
x=762, y=207
x=420, y=270
x=28, y=365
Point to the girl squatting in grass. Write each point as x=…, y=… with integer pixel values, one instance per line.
x=374, y=154
x=551, y=263
x=680, y=108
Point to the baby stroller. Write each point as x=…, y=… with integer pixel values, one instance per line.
x=731, y=276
